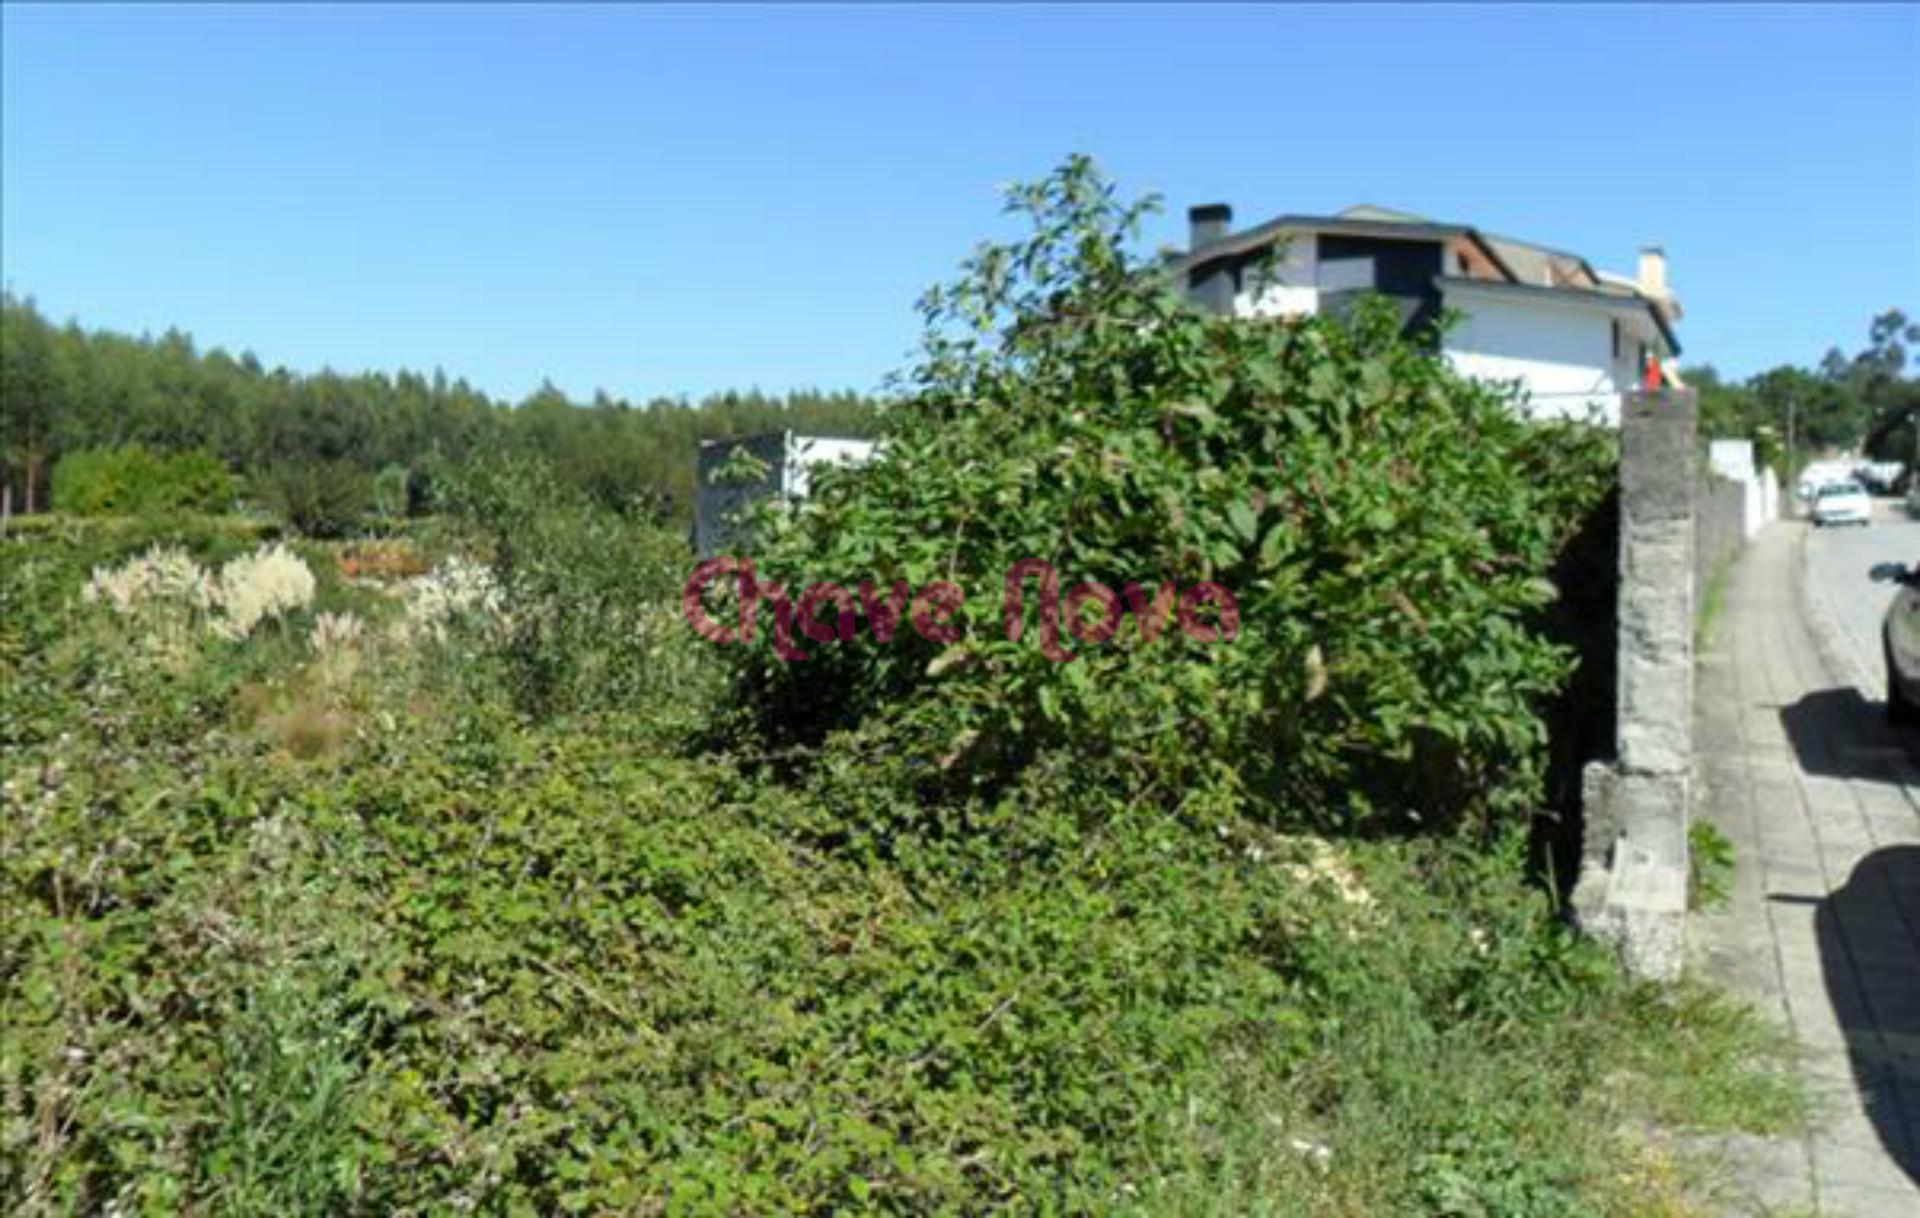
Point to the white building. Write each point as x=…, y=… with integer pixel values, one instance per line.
x=1573, y=337
x=1734, y=461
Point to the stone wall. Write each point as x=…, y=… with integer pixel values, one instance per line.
x=1720, y=528
x=1681, y=521
x=1632, y=890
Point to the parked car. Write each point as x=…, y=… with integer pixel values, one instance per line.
x=1879, y=476
x=1842, y=503
x=1817, y=475
x=1900, y=641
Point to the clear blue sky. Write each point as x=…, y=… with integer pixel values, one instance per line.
x=665, y=201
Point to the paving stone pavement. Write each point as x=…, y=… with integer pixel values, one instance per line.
x=1821, y=799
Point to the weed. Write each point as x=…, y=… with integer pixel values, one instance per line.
x=1713, y=600
x=1710, y=865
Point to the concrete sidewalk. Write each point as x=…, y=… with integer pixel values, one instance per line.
x=1797, y=767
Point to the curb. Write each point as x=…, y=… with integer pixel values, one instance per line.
x=1825, y=626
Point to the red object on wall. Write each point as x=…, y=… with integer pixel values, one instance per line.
x=1650, y=375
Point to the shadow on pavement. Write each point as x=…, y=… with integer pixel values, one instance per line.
x=1868, y=929
x=1836, y=733
x=1869, y=935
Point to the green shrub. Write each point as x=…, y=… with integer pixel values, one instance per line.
x=135, y=481
x=591, y=596
x=322, y=499
x=391, y=495
x=1384, y=524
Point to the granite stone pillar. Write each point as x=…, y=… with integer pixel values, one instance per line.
x=1633, y=885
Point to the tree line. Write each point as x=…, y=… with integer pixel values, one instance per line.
x=327, y=447
x=1864, y=403
x=66, y=390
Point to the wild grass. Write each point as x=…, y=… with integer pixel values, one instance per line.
x=1713, y=599
x=279, y=938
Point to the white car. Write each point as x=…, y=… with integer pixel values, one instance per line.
x=1841, y=503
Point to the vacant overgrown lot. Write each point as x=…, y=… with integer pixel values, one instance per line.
x=458, y=875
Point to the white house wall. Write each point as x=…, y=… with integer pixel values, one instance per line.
x=1731, y=459
x=1734, y=461
x=806, y=452
x=1561, y=354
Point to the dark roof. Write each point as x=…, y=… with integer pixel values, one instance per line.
x=1248, y=240
x=1513, y=250
x=1368, y=220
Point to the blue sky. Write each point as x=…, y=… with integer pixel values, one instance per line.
x=666, y=201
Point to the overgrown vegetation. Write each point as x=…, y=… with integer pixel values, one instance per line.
x=593, y=599
x=482, y=890
x=133, y=481
x=1384, y=526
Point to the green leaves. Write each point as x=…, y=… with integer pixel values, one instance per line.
x=1244, y=522
x=591, y=595
x=1274, y=546
x=132, y=480
x=1344, y=484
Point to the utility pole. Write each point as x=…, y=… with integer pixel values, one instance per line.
x=1793, y=479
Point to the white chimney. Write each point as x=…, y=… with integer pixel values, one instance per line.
x=1653, y=271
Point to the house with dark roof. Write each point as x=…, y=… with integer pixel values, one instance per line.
x=1572, y=337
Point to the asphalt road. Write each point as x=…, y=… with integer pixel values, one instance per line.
x=1837, y=562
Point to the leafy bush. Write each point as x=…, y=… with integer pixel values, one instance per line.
x=392, y=494
x=1384, y=524
x=134, y=481
x=321, y=499
x=591, y=597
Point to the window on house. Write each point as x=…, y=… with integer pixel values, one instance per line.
x=1618, y=341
